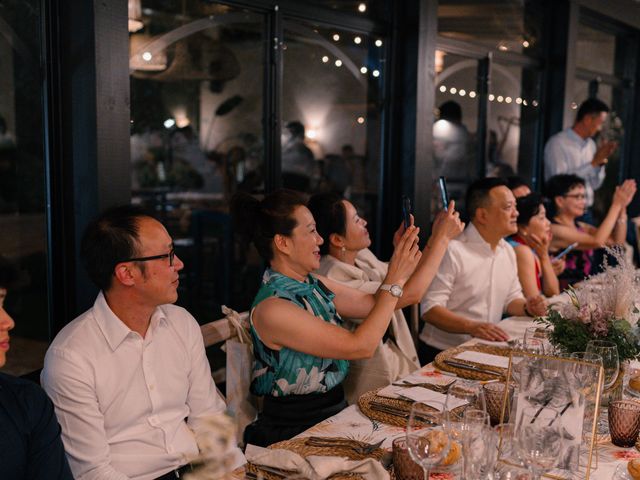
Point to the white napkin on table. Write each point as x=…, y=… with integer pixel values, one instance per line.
x=484, y=358
x=314, y=467
x=431, y=398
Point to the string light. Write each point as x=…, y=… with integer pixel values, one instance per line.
x=360, y=120
x=492, y=97
x=574, y=105
x=363, y=70
x=443, y=88
x=146, y=56
x=525, y=44
x=338, y=63
x=375, y=73
x=325, y=59
x=362, y=8
x=472, y=94
x=508, y=100
x=453, y=90
x=357, y=40
x=378, y=43
x=462, y=92
x=518, y=100
x=336, y=37
x=500, y=98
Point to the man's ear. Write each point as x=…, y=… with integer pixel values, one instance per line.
x=124, y=274
x=282, y=243
x=336, y=240
x=481, y=216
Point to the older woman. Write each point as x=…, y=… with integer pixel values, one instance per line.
x=301, y=350
x=531, y=244
x=348, y=260
x=567, y=194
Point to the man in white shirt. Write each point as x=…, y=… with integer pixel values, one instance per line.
x=478, y=278
x=573, y=150
x=129, y=378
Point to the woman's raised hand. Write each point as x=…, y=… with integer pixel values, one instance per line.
x=405, y=258
x=625, y=192
x=539, y=244
x=447, y=223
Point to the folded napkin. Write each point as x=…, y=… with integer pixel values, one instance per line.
x=314, y=467
x=431, y=398
x=484, y=358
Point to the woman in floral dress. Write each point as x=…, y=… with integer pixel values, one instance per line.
x=301, y=351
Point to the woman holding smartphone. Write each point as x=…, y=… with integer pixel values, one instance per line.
x=531, y=244
x=346, y=258
x=301, y=350
x=567, y=196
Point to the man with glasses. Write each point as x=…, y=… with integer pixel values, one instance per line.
x=129, y=378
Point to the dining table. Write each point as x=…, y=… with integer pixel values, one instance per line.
x=352, y=424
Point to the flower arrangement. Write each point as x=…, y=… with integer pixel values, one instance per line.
x=216, y=440
x=602, y=309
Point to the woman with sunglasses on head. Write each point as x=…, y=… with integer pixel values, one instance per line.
x=566, y=194
x=301, y=350
x=346, y=258
x=531, y=243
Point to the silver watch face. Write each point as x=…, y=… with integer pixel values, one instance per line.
x=396, y=290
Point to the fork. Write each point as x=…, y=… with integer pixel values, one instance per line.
x=357, y=446
x=430, y=386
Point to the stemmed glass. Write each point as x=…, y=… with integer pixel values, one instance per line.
x=463, y=395
x=611, y=365
x=479, y=445
x=427, y=435
x=539, y=438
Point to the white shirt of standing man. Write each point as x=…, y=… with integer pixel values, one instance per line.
x=478, y=279
x=129, y=378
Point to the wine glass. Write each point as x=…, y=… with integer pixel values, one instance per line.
x=611, y=365
x=463, y=395
x=536, y=340
x=539, y=431
x=610, y=361
x=480, y=447
x=427, y=435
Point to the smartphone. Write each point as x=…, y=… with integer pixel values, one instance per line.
x=444, y=196
x=406, y=211
x=565, y=251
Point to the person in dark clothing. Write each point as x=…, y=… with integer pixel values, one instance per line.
x=30, y=444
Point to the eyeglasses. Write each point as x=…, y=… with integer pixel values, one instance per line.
x=578, y=196
x=171, y=255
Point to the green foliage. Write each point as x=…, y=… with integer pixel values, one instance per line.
x=573, y=336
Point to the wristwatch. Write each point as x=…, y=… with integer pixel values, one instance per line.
x=395, y=290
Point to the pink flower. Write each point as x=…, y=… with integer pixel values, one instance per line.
x=584, y=314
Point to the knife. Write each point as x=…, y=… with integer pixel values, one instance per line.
x=474, y=368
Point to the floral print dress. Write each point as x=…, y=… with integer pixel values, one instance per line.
x=289, y=372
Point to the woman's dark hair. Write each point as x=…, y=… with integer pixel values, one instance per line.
x=111, y=238
x=528, y=207
x=330, y=216
x=560, y=185
x=260, y=221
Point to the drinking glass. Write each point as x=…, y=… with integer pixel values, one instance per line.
x=611, y=365
x=479, y=445
x=428, y=439
x=508, y=443
x=463, y=395
x=539, y=431
x=536, y=340
x=610, y=362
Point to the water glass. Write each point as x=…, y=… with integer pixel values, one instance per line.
x=624, y=422
x=536, y=340
x=470, y=393
x=428, y=439
x=494, y=397
x=480, y=447
x=539, y=431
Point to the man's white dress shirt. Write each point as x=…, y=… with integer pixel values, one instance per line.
x=473, y=281
x=568, y=152
x=129, y=406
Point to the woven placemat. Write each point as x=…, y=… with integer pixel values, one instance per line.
x=450, y=354
x=299, y=446
x=256, y=471
x=366, y=399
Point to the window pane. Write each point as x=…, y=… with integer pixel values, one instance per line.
x=512, y=120
x=22, y=184
x=595, y=50
x=506, y=25
x=455, y=129
x=332, y=87
x=377, y=9
x=197, y=138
